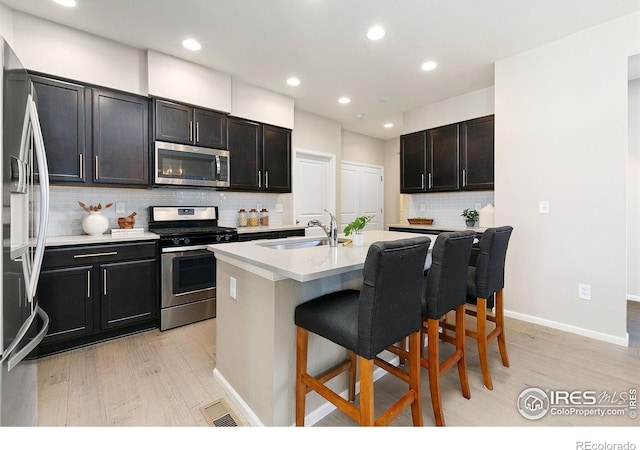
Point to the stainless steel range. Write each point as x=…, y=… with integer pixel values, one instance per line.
x=188, y=291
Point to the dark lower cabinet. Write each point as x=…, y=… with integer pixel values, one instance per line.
x=279, y=234
x=97, y=292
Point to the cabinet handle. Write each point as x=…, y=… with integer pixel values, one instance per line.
x=191, y=130
x=90, y=255
x=81, y=172
x=259, y=179
x=88, y=284
x=422, y=181
x=197, y=132
x=464, y=177
x=266, y=179
x=96, y=164
x=430, y=180
x=104, y=281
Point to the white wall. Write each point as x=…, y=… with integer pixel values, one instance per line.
x=633, y=193
x=562, y=136
x=65, y=52
x=392, y=211
x=456, y=109
x=363, y=149
x=6, y=24
x=255, y=103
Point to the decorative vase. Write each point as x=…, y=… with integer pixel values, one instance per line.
x=358, y=239
x=470, y=223
x=95, y=223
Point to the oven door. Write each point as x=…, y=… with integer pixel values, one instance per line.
x=187, y=276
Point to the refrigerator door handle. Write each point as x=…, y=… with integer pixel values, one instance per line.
x=19, y=336
x=15, y=359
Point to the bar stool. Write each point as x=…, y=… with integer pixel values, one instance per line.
x=484, y=280
x=444, y=290
x=366, y=322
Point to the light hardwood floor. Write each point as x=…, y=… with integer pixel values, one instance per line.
x=164, y=378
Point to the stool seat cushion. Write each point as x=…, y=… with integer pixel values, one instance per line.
x=333, y=316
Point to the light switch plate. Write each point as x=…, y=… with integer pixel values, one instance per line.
x=232, y=287
x=543, y=207
x=119, y=208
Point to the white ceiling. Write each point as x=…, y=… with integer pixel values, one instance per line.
x=323, y=42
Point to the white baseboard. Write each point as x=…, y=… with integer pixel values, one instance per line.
x=633, y=298
x=570, y=328
x=310, y=418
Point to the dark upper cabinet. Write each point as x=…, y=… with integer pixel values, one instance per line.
x=477, y=153
x=259, y=156
x=245, y=154
x=93, y=136
x=276, y=158
x=120, y=138
x=184, y=124
x=413, y=162
x=64, y=112
x=442, y=158
x=453, y=157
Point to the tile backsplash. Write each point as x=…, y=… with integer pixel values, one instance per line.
x=445, y=208
x=65, y=215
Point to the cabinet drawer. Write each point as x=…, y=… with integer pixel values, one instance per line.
x=91, y=254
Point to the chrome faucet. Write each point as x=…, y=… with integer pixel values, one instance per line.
x=331, y=231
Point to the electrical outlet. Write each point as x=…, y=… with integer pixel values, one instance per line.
x=477, y=207
x=232, y=287
x=279, y=208
x=119, y=208
x=543, y=207
x=423, y=207
x=584, y=291
x=259, y=206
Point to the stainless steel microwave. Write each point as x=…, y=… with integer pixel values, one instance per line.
x=186, y=165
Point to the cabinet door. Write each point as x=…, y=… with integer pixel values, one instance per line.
x=62, y=109
x=173, y=122
x=276, y=162
x=442, y=158
x=245, y=154
x=120, y=139
x=66, y=296
x=210, y=128
x=413, y=162
x=477, y=153
x=128, y=293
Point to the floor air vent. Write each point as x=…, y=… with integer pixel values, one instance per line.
x=219, y=414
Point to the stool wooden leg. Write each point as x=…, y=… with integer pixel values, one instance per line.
x=460, y=348
x=482, y=341
x=302, y=340
x=367, y=417
x=502, y=343
x=415, y=350
x=352, y=376
x=433, y=358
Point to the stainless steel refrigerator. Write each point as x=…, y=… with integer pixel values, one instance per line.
x=25, y=209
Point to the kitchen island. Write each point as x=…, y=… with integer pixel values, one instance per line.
x=259, y=284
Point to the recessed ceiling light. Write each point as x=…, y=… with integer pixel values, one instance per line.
x=67, y=3
x=191, y=44
x=429, y=65
x=293, y=81
x=388, y=125
x=375, y=33
x=344, y=100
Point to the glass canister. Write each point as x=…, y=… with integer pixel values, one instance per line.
x=264, y=217
x=242, y=218
x=253, y=218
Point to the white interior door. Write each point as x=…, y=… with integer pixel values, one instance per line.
x=314, y=187
x=361, y=194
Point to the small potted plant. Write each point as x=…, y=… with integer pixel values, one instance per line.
x=470, y=216
x=356, y=228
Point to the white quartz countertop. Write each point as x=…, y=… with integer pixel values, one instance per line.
x=436, y=227
x=304, y=264
x=107, y=238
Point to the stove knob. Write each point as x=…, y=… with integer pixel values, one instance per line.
x=218, y=238
x=187, y=240
x=176, y=241
x=227, y=237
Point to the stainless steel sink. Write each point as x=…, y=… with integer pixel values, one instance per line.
x=294, y=244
